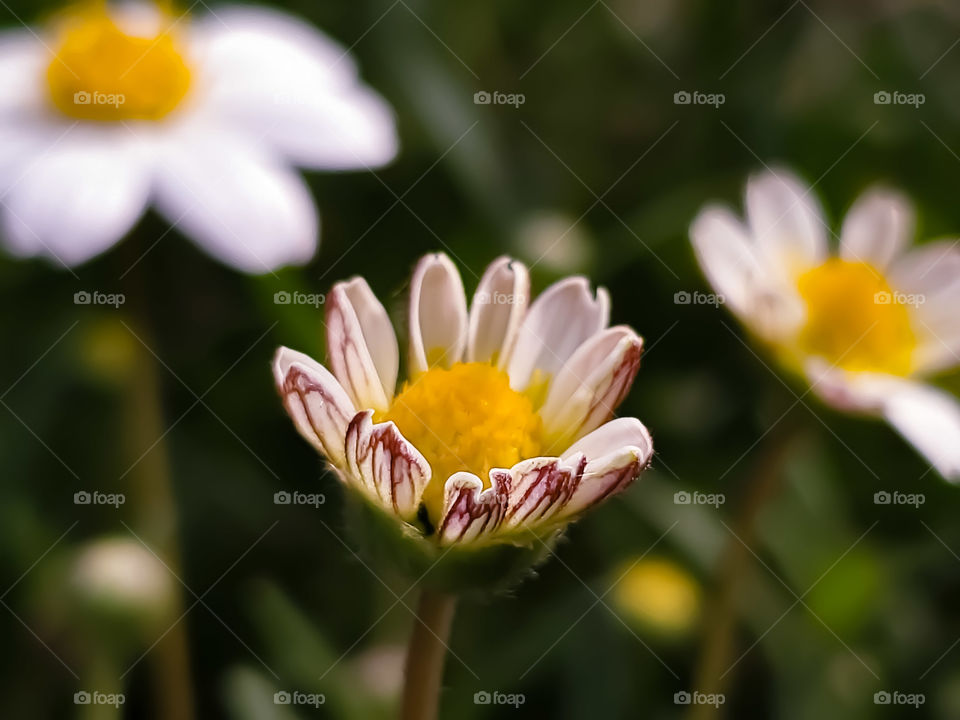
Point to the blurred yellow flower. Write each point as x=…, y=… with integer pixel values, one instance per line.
x=659, y=594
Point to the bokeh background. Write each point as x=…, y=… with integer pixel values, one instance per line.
x=799, y=591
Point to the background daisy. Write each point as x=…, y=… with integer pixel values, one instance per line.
x=106, y=110
x=866, y=325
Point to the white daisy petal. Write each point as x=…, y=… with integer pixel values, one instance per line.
x=931, y=270
x=77, y=196
x=318, y=405
x=786, y=221
x=877, y=228
x=938, y=346
x=288, y=84
x=833, y=385
x=389, y=469
x=605, y=476
x=727, y=257
x=931, y=273
x=469, y=511
x=539, y=490
x=242, y=207
x=361, y=344
x=590, y=385
x=616, y=452
x=498, y=307
x=564, y=316
x=438, y=314
x=23, y=63
x=612, y=436
x=928, y=417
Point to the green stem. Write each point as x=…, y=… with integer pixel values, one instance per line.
x=425, y=656
x=100, y=674
x=149, y=486
x=716, y=655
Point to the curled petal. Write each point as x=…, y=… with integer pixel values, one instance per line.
x=591, y=385
x=361, y=344
x=469, y=511
x=390, y=470
x=611, y=436
x=539, y=489
x=617, y=453
x=320, y=408
x=498, y=307
x=560, y=320
x=438, y=314
x=605, y=477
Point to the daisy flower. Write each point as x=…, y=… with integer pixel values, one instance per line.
x=865, y=325
x=502, y=431
x=109, y=109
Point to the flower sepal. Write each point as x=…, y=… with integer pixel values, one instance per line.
x=394, y=547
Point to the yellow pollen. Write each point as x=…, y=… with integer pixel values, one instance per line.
x=854, y=319
x=102, y=73
x=465, y=418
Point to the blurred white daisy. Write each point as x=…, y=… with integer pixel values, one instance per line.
x=110, y=109
x=865, y=325
x=503, y=429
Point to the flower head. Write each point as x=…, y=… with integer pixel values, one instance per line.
x=864, y=325
x=501, y=432
x=112, y=108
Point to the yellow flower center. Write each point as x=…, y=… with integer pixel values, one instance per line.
x=102, y=73
x=465, y=418
x=854, y=319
